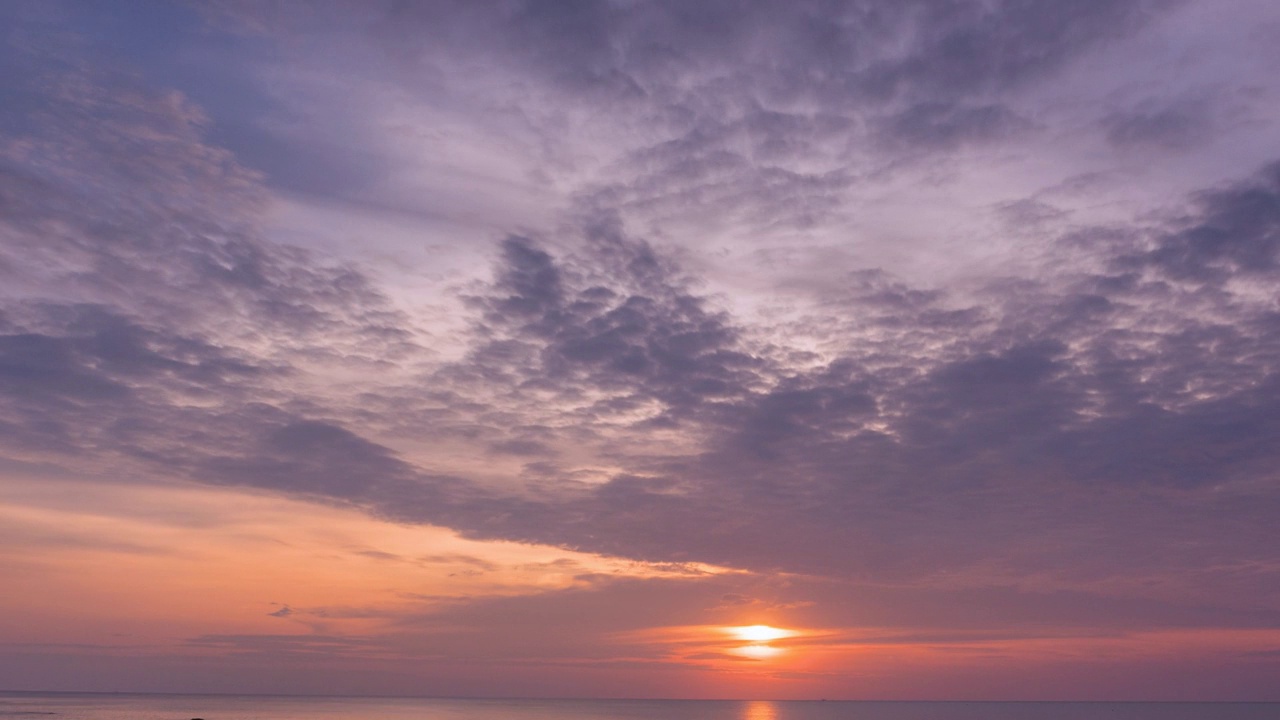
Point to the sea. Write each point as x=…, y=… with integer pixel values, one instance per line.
x=119, y=706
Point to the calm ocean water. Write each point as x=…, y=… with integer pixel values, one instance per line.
x=77, y=706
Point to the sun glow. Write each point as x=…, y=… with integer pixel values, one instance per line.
x=757, y=652
x=759, y=633
x=758, y=638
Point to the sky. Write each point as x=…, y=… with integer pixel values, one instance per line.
x=641, y=348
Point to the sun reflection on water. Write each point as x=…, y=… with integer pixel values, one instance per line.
x=760, y=710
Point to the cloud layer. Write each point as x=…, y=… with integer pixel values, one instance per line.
x=919, y=305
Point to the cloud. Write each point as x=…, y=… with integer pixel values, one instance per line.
x=1034, y=390
x=614, y=329
x=925, y=414
x=1059, y=425
x=764, y=117
x=1233, y=232
x=934, y=125
x=1174, y=127
x=310, y=457
x=114, y=197
x=281, y=645
x=848, y=48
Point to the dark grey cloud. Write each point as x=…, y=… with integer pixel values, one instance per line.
x=82, y=374
x=840, y=49
x=1175, y=126
x=313, y=458
x=1233, y=233
x=932, y=125
x=646, y=337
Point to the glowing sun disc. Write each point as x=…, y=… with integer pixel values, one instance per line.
x=757, y=652
x=759, y=633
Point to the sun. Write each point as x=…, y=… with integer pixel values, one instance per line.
x=757, y=652
x=759, y=633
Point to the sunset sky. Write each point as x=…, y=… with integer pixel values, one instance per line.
x=901, y=349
